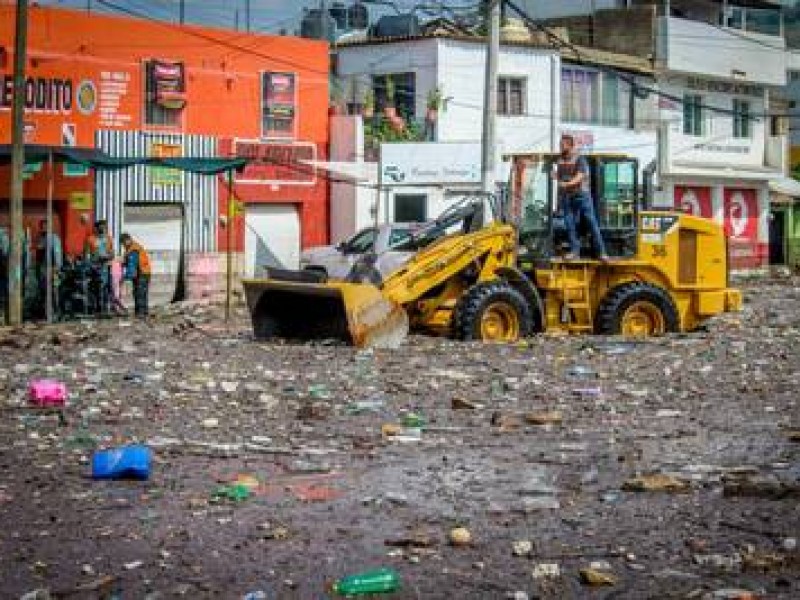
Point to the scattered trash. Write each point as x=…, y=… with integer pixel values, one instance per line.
x=235, y=492
x=257, y=595
x=413, y=420
x=210, y=423
x=591, y=576
x=378, y=581
x=544, y=417
x=522, y=548
x=732, y=594
x=722, y=562
x=459, y=403
x=47, y=392
x=580, y=372
x=460, y=536
x=760, y=486
x=789, y=544
x=657, y=482
x=127, y=462
x=365, y=406
x=546, y=571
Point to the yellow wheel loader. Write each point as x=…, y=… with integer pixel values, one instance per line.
x=508, y=279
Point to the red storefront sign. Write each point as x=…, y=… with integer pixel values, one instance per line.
x=694, y=200
x=276, y=163
x=741, y=226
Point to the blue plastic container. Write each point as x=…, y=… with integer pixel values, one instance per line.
x=125, y=462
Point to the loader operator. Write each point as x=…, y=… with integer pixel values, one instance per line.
x=575, y=198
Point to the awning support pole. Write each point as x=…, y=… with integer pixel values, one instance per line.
x=229, y=256
x=49, y=240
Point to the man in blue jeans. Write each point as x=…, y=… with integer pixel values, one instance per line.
x=574, y=182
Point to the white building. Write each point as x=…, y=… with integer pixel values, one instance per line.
x=718, y=63
x=533, y=85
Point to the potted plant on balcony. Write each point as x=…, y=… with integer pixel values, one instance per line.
x=434, y=104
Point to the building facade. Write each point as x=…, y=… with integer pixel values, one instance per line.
x=540, y=96
x=719, y=67
x=137, y=88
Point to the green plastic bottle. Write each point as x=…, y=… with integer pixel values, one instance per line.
x=378, y=581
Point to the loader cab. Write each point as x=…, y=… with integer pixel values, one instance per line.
x=541, y=224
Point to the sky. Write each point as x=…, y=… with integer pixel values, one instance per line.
x=266, y=16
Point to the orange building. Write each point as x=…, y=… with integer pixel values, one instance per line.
x=133, y=87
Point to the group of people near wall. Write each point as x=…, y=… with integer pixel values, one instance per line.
x=96, y=259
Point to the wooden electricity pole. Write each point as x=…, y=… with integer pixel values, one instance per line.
x=488, y=138
x=15, y=266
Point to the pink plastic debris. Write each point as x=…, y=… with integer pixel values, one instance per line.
x=47, y=392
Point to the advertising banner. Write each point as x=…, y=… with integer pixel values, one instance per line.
x=694, y=200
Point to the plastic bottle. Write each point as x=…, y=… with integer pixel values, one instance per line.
x=378, y=581
x=126, y=462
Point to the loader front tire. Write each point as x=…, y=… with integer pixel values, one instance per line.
x=492, y=311
x=637, y=309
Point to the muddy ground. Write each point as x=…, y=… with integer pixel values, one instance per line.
x=539, y=442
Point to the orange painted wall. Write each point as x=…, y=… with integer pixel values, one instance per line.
x=106, y=55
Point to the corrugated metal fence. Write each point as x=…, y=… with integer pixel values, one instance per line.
x=143, y=185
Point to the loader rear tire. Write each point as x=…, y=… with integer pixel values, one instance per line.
x=492, y=311
x=637, y=309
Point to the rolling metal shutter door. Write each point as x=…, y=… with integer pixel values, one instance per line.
x=159, y=229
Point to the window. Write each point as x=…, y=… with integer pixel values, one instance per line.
x=618, y=194
x=278, y=105
x=396, y=236
x=741, y=119
x=410, y=208
x=165, y=93
x=362, y=242
x=592, y=97
x=693, y=114
x=511, y=96
x=403, y=85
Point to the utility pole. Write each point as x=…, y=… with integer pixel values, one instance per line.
x=324, y=16
x=247, y=16
x=488, y=142
x=182, y=12
x=15, y=291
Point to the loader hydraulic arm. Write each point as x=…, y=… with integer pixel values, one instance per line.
x=475, y=255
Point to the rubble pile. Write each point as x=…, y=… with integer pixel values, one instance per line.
x=553, y=468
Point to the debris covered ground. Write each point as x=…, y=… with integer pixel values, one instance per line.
x=555, y=468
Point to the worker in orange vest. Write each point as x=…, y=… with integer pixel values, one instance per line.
x=136, y=269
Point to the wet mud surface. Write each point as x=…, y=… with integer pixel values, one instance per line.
x=672, y=465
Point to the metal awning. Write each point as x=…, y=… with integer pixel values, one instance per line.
x=363, y=172
x=786, y=186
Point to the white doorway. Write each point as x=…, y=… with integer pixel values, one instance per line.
x=159, y=228
x=271, y=237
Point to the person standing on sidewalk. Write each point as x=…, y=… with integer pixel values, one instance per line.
x=136, y=269
x=573, y=178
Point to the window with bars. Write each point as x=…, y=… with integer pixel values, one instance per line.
x=693, y=115
x=742, y=121
x=511, y=92
x=592, y=97
x=165, y=93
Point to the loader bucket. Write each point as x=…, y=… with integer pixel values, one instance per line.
x=354, y=312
